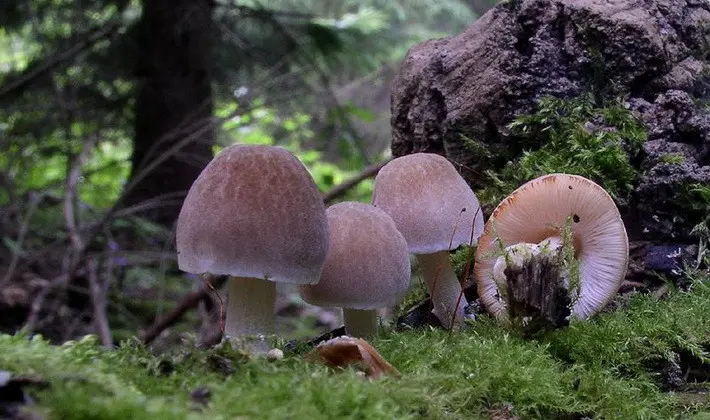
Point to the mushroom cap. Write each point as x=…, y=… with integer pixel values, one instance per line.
x=254, y=211
x=536, y=211
x=367, y=266
x=429, y=201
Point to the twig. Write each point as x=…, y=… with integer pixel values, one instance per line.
x=70, y=196
x=660, y=293
x=628, y=285
x=189, y=301
x=77, y=248
x=38, y=301
x=98, y=298
x=34, y=202
x=340, y=189
x=260, y=12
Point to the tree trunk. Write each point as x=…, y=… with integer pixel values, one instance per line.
x=173, y=135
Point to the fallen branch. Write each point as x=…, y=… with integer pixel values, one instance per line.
x=340, y=189
x=187, y=303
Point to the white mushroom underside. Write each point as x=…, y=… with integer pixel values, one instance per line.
x=537, y=211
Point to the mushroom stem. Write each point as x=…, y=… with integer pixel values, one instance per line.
x=361, y=323
x=443, y=286
x=250, y=308
x=532, y=280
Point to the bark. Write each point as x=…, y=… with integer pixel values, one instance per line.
x=456, y=96
x=173, y=132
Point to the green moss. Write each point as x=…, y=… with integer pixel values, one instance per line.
x=603, y=368
x=695, y=197
x=571, y=262
x=672, y=158
x=557, y=139
x=692, y=203
x=462, y=260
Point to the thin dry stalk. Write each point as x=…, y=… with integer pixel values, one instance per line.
x=466, y=269
x=21, y=234
x=188, y=302
x=77, y=248
x=98, y=298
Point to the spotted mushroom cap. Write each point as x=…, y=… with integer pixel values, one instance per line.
x=538, y=210
x=254, y=211
x=432, y=205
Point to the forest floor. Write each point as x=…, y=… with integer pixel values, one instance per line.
x=647, y=358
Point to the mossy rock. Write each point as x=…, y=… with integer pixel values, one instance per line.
x=468, y=97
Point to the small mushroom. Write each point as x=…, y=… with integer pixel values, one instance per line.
x=344, y=351
x=531, y=220
x=367, y=266
x=254, y=214
x=437, y=212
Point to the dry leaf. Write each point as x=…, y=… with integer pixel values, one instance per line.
x=344, y=351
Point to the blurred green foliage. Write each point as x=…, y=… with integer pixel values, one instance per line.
x=93, y=95
x=262, y=125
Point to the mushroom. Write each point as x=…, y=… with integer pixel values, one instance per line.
x=367, y=266
x=534, y=217
x=437, y=212
x=254, y=214
x=515, y=256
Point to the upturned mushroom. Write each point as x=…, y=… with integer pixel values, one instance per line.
x=538, y=220
x=436, y=211
x=367, y=266
x=254, y=214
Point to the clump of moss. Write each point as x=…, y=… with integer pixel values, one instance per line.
x=672, y=158
x=461, y=259
x=695, y=197
x=576, y=137
x=607, y=367
x=645, y=335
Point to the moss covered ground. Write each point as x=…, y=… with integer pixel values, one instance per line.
x=614, y=366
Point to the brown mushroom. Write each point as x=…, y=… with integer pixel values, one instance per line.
x=437, y=212
x=254, y=214
x=367, y=266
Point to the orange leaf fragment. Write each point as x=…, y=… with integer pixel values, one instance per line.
x=344, y=351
